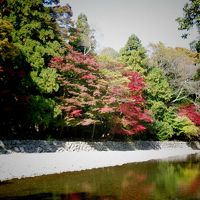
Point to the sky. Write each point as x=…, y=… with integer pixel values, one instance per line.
x=115, y=20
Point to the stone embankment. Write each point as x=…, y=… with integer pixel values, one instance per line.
x=29, y=158
x=42, y=146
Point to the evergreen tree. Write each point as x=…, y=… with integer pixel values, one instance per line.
x=110, y=52
x=87, y=41
x=33, y=32
x=133, y=54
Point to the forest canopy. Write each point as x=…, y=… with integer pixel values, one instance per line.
x=53, y=83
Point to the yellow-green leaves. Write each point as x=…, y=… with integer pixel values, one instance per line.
x=7, y=49
x=158, y=87
x=46, y=80
x=43, y=111
x=185, y=126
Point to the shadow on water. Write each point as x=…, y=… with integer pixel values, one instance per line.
x=72, y=196
x=152, y=180
x=5, y=183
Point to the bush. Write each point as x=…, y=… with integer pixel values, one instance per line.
x=191, y=112
x=163, y=130
x=184, y=126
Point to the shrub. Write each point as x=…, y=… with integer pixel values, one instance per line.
x=184, y=126
x=163, y=130
x=191, y=112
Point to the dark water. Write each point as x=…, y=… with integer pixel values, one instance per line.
x=154, y=180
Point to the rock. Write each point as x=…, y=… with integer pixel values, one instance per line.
x=39, y=149
x=60, y=149
x=2, y=146
x=21, y=149
x=16, y=149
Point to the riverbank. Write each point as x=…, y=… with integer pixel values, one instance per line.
x=44, y=146
x=19, y=165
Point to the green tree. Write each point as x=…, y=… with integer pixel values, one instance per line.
x=12, y=99
x=87, y=40
x=158, y=94
x=133, y=54
x=36, y=36
x=7, y=48
x=66, y=26
x=109, y=51
x=158, y=88
x=108, y=58
x=190, y=18
x=181, y=67
x=167, y=123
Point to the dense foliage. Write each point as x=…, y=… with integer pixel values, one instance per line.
x=53, y=84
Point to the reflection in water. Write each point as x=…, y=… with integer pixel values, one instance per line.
x=84, y=196
x=135, y=186
x=158, y=180
x=192, y=188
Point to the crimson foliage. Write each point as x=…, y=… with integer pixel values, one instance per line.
x=86, y=97
x=191, y=112
x=81, y=93
x=133, y=112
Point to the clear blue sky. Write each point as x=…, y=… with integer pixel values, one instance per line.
x=115, y=20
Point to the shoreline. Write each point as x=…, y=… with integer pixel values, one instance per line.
x=21, y=165
x=46, y=146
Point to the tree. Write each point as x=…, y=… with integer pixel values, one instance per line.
x=109, y=58
x=12, y=99
x=133, y=54
x=81, y=94
x=88, y=98
x=36, y=37
x=110, y=52
x=190, y=18
x=191, y=112
x=62, y=15
x=87, y=41
x=180, y=67
x=7, y=48
x=66, y=26
x=167, y=122
x=132, y=112
x=157, y=86
x=34, y=32
x=158, y=94
x=126, y=87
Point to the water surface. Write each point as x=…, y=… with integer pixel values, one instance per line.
x=153, y=180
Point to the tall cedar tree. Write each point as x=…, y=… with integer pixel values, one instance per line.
x=133, y=54
x=32, y=38
x=87, y=40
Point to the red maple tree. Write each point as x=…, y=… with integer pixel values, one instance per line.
x=82, y=100
x=191, y=112
x=87, y=98
x=132, y=110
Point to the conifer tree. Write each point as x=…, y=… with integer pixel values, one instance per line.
x=87, y=41
x=133, y=54
x=32, y=31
